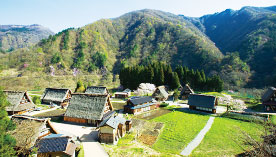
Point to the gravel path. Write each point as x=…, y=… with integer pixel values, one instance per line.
x=196, y=141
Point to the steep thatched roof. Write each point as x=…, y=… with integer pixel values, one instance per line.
x=187, y=90
x=55, y=94
x=199, y=100
x=160, y=92
x=28, y=130
x=15, y=97
x=96, y=90
x=87, y=106
x=268, y=94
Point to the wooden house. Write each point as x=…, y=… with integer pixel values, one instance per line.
x=203, y=102
x=20, y=102
x=121, y=95
x=269, y=99
x=128, y=91
x=57, y=96
x=88, y=109
x=160, y=94
x=136, y=105
x=96, y=90
x=30, y=129
x=56, y=147
x=112, y=129
x=186, y=91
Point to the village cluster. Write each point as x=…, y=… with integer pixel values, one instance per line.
x=93, y=108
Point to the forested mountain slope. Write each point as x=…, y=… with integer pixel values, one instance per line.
x=139, y=37
x=250, y=32
x=19, y=36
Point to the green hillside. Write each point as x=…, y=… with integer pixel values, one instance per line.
x=250, y=32
x=139, y=37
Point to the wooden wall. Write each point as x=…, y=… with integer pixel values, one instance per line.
x=75, y=120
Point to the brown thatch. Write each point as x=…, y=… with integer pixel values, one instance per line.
x=87, y=106
x=55, y=95
x=96, y=90
x=19, y=101
x=29, y=129
x=160, y=93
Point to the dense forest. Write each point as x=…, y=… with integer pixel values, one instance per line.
x=250, y=32
x=162, y=74
x=238, y=46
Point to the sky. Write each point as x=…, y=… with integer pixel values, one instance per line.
x=61, y=14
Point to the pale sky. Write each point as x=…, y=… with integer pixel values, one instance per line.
x=61, y=14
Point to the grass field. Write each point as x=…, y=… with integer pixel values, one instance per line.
x=225, y=138
x=118, y=105
x=180, y=129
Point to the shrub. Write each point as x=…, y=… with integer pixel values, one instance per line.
x=36, y=100
x=164, y=105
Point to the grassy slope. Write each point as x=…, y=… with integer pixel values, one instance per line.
x=225, y=138
x=180, y=128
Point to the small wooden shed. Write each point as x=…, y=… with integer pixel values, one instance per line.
x=186, y=91
x=136, y=105
x=20, y=102
x=57, y=96
x=121, y=95
x=112, y=129
x=160, y=94
x=203, y=102
x=89, y=109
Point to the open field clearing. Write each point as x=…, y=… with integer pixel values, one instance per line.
x=225, y=138
x=179, y=129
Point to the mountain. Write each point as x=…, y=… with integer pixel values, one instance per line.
x=19, y=36
x=138, y=37
x=250, y=31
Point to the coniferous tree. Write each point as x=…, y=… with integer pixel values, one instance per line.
x=7, y=142
x=175, y=83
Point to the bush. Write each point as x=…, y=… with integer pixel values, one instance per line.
x=164, y=105
x=36, y=100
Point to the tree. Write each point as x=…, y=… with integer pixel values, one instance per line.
x=176, y=94
x=175, y=81
x=7, y=142
x=99, y=59
x=80, y=87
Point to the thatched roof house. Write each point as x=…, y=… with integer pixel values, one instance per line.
x=136, y=105
x=56, y=95
x=96, y=90
x=186, y=91
x=29, y=130
x=88, y=108
x=203, y=102
x=160, y=94
x=20, y=102
x=56, y=146
x=269, y=99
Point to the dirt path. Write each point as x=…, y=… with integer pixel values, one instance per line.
x=87, y=135
x=196, y=141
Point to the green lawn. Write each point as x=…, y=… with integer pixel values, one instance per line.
x=180, y=129
x=225, y=138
